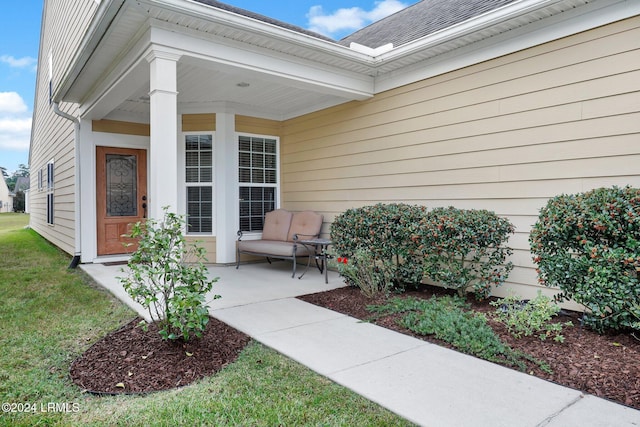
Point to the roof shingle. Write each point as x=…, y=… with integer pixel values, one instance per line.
x=257, y=16
x=419, y=20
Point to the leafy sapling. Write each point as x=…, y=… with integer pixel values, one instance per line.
x=168, y=277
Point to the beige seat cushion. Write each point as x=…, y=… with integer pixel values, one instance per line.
x=276, y=225
x=306, y=224
x=271, y=247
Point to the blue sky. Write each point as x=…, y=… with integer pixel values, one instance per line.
x=20, y=37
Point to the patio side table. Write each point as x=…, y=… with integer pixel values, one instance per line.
x=318, y=247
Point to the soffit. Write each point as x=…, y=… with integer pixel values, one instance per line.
x=202, y=88
x=106, y=51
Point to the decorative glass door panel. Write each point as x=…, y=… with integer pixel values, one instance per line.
x=122, y=185
x=121, y=177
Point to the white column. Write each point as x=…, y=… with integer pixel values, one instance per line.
x=226, y=166
x=163, y=147
x=88, y=217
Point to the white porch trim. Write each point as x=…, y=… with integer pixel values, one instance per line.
x=163, y=150
x=226, y=164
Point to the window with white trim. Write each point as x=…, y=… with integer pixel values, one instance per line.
x=258, y=179
x=199, y=183
x=50, y=188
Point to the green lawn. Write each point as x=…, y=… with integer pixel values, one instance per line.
x=13, y=221
x=49, y=315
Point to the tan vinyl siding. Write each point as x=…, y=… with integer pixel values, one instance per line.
x=53, y=136
x=198, y=122
x=123, y=128
x=258, y=126
x=206, y=242
x=503, y=135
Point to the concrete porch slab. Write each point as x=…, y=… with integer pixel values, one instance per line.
x=260, y=282
x=249, y=284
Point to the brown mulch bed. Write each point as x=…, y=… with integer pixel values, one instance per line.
x=607, y=366
x=131, y=360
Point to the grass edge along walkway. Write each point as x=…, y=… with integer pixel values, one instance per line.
x=49, y=315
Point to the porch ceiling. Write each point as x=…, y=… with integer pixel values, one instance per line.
x=204, y=87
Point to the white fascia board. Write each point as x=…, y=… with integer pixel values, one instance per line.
x=558, y=26
x=296, y=71
x=486, y=20
x=248, y=24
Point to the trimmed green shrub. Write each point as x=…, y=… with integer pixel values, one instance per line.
x=373, y=277
x=387, y=232
x=465, y=249
x=162, y=281
x=526, y=318
x=588, y=245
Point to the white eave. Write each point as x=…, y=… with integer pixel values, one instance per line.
x=513, y=27
x=244, y=29
x=119, y=24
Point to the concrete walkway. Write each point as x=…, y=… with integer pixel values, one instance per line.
x=422, y=382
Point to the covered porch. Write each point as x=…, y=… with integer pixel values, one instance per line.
x=192, y=101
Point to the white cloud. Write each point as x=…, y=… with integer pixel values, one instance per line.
x=15, y=126
x=350, y=19
x=23, y=62
x=12, y=103
x=385, y=8
x=15, y=133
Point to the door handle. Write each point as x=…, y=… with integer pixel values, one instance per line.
x=144, y=207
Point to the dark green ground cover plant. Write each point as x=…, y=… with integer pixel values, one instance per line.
x=588, y=246
x=450, y=319
x=168, y=277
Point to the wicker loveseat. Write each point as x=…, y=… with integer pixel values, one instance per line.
x=281, y=231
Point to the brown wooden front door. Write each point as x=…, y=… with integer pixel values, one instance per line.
x=121, y=196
